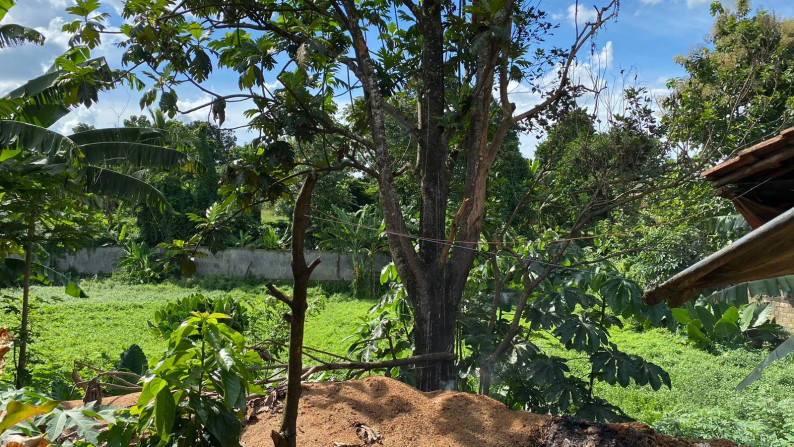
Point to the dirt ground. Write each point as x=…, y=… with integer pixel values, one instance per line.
x=389, y=413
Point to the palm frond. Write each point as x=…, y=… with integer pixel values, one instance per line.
x=5, y=6
x=781, y=351
x=132, y=154
x=741, y=293
x=13, y=268
x=35, y=139
x=107, y=182
x=122, y=134
x=42, y=100
x=729, y=223
x=13, y=35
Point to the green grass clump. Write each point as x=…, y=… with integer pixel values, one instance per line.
x=326, y=330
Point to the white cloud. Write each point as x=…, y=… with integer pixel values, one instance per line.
x=52, y=32
x=117, y=5
x=605, y=57
x=695, y=3
x=579, y=13
x=59, y=5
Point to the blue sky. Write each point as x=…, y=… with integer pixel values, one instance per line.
x=643, y=41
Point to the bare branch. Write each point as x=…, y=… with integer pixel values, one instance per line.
x=278, y=294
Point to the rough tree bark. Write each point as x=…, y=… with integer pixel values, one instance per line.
x=434, y=277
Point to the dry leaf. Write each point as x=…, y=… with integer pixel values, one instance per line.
x=23, y=441
x=368, y=435
x=6, y=343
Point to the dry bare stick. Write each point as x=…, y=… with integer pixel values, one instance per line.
x=126, y=385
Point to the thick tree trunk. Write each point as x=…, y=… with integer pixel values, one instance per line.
x=22, y=360
x=434, y=332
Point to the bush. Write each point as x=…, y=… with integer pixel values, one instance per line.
x=168, y=319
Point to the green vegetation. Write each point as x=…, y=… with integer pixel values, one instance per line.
x=701, y=403
x=511, y=277
x=98, y=328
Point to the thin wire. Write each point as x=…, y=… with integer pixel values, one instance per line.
x=475, y=246
x=570, y=239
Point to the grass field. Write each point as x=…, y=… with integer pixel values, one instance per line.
x=97, y=329
x=702, y=403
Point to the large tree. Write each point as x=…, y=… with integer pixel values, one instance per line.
x=739, y=85
x=459, y=59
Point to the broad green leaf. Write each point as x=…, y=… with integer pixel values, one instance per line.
x=652, y=374
x=731, y=314
x=5, y=6
x=225, y=359
x=35, y=139
x=164, y=412
x=133, y=359
x=17, y=412
x=116, y=184
x=549, y=370
x=195, y=29
x=582, y=334
x=222, y=424
x=726, y=330
x=747, y=316
x=619, y=293
x=142, y=135
x=112, y=153
x=764, y=315
x=12, y=34
x=151, y=387
x=694, y=332
x=706, y=317
x=73, y=290
x=6, y=154
x=233, y=390
x=681, y=315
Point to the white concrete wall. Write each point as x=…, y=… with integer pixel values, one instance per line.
x=232, y=262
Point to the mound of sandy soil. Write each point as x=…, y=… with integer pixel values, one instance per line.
x=391, y=413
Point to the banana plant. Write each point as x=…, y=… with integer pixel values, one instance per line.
x=50, y=185
x=12, y=34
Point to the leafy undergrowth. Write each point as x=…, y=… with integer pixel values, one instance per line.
x=328, y=329
x=703, y=402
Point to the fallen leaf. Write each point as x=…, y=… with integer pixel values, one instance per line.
x=24, y=441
